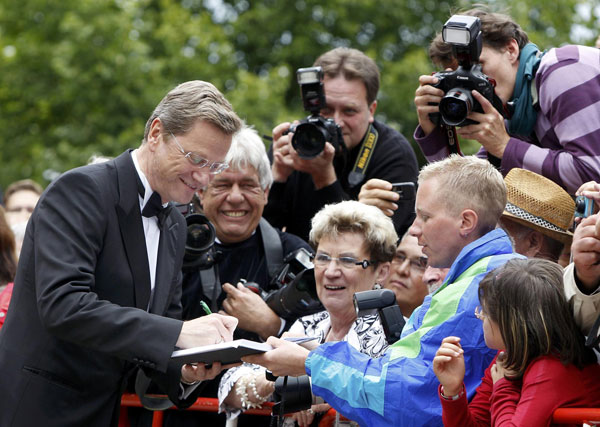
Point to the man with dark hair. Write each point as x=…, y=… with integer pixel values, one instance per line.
x=552, y=102
x=98, y=287
x=372, y=150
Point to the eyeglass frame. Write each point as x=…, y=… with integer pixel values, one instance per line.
x=412, y=262
x=199, y=161
x=365, y=263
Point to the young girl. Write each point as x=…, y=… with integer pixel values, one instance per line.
x=544, y=364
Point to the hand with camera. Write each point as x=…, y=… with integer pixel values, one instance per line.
x=283, y=163
x=379, y=193
x=585, y=251
x=250, y=310
x=286, y=159
x=427, y=100
x=590, y=190
x=489, y=130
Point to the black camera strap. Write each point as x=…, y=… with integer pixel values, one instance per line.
x=272, y=246
x=451, y=139
x=357, y=175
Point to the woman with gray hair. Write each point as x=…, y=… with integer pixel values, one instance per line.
x=354, y=244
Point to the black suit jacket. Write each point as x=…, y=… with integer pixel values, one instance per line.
x=77, y=324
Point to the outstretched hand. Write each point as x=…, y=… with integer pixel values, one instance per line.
x=286, y=358
x=449, y=366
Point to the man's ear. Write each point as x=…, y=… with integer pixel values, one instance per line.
x=154, y=133
x=372, y=109
x=469, y=222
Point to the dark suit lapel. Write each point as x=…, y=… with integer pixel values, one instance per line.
x=164, y=265
x=132, y=230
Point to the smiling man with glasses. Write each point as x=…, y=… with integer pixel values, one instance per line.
x=103, y=273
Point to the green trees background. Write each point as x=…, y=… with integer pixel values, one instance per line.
x=80, y=77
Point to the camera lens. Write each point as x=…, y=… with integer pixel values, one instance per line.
x=200, y=234
x=308, y=140
x=455, y=106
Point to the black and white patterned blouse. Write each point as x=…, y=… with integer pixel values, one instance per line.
x=366, y=335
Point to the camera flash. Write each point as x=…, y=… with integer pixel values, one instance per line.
x=309, y=75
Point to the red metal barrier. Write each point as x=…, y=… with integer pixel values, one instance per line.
x=206, y=404
x=577, y=416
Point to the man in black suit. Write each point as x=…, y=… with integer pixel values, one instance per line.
x=98, y=291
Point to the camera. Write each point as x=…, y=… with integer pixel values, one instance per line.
x=382, y=302
x=406, y=190
x=199, y=240
x=311, y=133
x=296, y=290
x=464, y=34
x=584, y=207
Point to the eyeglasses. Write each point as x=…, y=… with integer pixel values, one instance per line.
x=419, y=264
x=322, y=260
x=214, y=168
x=479, y=313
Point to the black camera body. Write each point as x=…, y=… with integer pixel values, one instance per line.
x=464, y=33
x=382, y=302
x=200, y=239
x=311, y=134
x=295, y=293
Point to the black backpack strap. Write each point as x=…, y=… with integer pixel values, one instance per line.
x=273, y=247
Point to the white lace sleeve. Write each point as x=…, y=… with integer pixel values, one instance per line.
x=227, y=383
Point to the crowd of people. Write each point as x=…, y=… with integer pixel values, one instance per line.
x=494, y=261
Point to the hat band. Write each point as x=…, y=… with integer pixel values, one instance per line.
x=523, y=214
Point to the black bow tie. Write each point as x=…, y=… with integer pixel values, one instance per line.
x=154, y=208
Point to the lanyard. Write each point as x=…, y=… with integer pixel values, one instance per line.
x=357, y=175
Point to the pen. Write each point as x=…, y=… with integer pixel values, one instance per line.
x=205, y=307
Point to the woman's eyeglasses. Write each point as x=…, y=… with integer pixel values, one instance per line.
x=322, y=260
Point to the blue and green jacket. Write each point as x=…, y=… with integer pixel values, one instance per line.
x=400, y=388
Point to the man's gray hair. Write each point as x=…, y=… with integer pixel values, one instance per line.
x=190, y=102
x=247, y=149
x=351, y=216
x=469, y=183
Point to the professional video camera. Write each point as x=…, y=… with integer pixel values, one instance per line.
x=295, y=290
x=200, y=239
x=311, y=133
x=464, y=34
x=382, y=302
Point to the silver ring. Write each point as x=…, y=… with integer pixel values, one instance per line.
x=310, y=411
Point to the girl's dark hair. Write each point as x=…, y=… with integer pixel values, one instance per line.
x=525, y=297
x=8, y=258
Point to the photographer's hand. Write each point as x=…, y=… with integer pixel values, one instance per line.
x=283, y=163
x=378, y=192
x=252, y=312
x=591, y=190
x=490, y=132
x=424, y=96
x=320, y=168
x=585, y=251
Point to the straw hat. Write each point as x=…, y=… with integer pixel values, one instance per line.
x=539, y=203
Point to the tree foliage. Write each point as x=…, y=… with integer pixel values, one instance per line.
x=80, y=77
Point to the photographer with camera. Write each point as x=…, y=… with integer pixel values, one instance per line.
x=306, y=178
x=546, y=131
